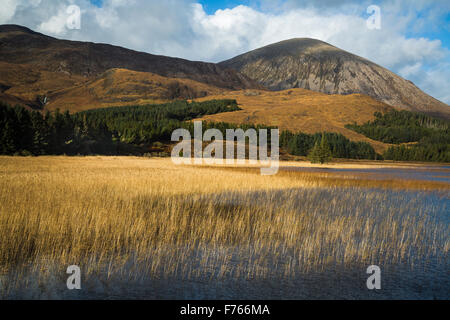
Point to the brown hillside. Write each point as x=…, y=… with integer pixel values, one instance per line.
x=23, y=84
x=119, y=87
x=38, y=71
x=303, y=110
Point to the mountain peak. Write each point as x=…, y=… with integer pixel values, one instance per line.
x=316, y=65
x=295, y=48
x=310, y=46
x=301, y=43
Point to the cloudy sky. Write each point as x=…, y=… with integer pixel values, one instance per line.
x=413, y=39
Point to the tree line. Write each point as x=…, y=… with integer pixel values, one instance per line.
x=428, y=138
x=108, y=131
x=131, y=130
x=300, y=144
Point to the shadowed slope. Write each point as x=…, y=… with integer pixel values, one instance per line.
x=19, y=45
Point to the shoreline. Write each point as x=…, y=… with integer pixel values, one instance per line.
x=336, y=164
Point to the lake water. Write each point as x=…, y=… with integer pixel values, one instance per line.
x=425, y=173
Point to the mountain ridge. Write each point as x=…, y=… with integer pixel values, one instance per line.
x=20, y=45
x=295, y=63
x=316, y=65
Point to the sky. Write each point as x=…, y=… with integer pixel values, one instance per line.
x=413, y=38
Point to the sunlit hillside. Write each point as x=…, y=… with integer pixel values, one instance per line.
x=303, y=110
x=24, y=84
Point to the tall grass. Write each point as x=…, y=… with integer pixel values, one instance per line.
x=131, y=217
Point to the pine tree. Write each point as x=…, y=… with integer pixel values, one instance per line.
x=40, y=134
x=320, y=153
x=314, y=154
x=8, y=141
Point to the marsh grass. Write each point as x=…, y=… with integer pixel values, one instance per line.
x=130, y=218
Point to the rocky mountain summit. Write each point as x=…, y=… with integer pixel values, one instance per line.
x=318, y=66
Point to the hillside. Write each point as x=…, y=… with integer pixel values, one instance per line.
x=300, y=110
x=121, y=87
x=416, y=136
x=34, y=65
x=319, y=66
x=27, y=86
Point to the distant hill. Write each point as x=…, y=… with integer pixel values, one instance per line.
x=318, y=66
x=37, y=70
x=20, y=45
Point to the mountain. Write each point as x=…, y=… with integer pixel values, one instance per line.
x=318, y=66
x=45, y=73
x=20, y=45
x=37, y=64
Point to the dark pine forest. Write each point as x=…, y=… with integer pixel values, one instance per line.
x=417, y=137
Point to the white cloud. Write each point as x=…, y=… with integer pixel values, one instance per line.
x=8, y=10
x=56, y=24
x=183, y=29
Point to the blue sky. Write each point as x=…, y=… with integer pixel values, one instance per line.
x=413, y=41
x=210, y=6
x=440, y=30
x=214, y=5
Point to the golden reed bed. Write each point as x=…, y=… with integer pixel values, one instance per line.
x=139, y=217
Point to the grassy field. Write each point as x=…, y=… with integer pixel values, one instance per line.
x=124, y=219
